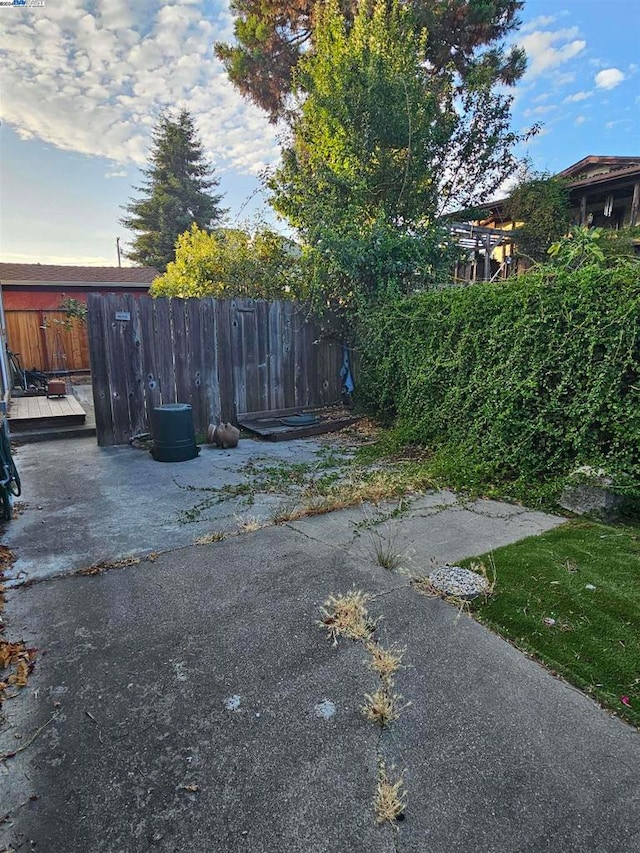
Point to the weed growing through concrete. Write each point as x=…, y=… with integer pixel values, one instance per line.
x=381, y=706
x=385, y=662
x=391, y=798
x=106, y=565
x=210, y=538
x=249, y=525
x=332, y=482
x=385, y=551
x=347, y=616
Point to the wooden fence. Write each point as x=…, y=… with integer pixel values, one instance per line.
x=45, y=341
x=224, y=357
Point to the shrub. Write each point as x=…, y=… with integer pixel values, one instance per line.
x=525, y=378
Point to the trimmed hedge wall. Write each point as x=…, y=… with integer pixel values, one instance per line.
x=529, y=377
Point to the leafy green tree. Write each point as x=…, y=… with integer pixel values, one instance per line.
x=178, y=190
x=539, y=205
x=581, y=247
x=380, y=146
x=462, y=36
x=232, y=262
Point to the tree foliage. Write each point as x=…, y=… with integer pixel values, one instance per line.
x=462, y=36
x=539, y=205
x=581, y=247
x=177, y=190
x=380, y=146
x=232, y=262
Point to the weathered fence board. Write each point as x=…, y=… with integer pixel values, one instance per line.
x=224, y=357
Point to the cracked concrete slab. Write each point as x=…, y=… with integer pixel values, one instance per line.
x=203, y=672
x=437, y=530
x=86, y=503
x=154, y=656
x=498, y=754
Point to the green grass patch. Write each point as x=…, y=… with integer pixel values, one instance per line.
x=594, y=641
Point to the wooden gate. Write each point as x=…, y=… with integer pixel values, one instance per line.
x=224, y=357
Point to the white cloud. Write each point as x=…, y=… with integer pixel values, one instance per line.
x=580, y=119
x=579, y=96
x=95, y=81
x=623, y=121
x=540, y=21
x=563, y=78
x=609, y=78
x=548, y=49
x=540, y=111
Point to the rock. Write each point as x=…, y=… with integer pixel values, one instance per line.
x=458, y=582
x=588, y=499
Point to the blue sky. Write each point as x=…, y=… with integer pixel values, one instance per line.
x=84, y=80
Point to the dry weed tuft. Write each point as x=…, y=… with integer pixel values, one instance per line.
x=347, y=616
x=210, y=538
x=106, y=565
x=250, y=525
x=391, y=798
x=488, y=572
x=385, y=662
x=380, y=707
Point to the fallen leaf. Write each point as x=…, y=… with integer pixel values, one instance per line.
x=191, y=788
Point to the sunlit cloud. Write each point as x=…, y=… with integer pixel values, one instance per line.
x=548, y=49
x=609, y=78
x=95, y=81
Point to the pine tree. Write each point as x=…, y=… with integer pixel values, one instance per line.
x=177, y=192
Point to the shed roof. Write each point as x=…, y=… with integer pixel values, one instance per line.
x=33, y=274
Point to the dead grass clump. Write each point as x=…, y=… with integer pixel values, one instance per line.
x=391, y=798
x=385, y=662
x=347, y=616
x=210, y=538
x=250, y=525
x=488, y=572
x=105, y=565
x=381, y=707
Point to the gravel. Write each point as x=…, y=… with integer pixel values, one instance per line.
x=458, y=582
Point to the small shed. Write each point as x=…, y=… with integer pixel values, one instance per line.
x=36, y=327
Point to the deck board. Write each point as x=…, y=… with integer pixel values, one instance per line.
x=33, y=412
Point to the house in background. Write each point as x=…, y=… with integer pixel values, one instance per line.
x=604, y=192
x=33, y=294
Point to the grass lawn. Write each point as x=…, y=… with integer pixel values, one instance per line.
x=595, y=640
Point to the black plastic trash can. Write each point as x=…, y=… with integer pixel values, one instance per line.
x=174, y=438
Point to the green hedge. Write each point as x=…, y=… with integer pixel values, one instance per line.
x=526, y=378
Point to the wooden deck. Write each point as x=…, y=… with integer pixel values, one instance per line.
x=27, y=413
x=270, y=425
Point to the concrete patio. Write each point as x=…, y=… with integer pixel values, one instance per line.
x=193, y=702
